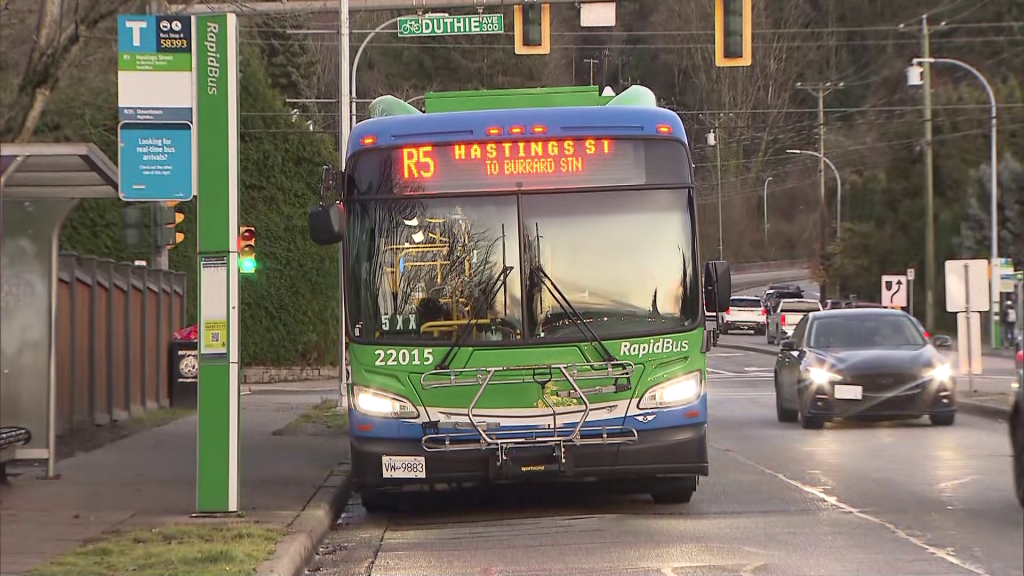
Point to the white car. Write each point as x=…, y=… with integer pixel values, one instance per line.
x=744, y=313
x=787, y=315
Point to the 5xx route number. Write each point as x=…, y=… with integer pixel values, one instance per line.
x=404, y=357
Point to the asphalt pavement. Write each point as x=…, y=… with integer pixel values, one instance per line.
x=879, y=499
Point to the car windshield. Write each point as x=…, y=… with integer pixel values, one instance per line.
x=864, y=331
x=799, y=307
x=744, y=303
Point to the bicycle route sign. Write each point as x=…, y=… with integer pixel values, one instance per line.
x=450, y=25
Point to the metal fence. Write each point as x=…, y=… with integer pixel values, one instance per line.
x=114, y=323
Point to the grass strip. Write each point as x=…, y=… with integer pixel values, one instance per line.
x=192, y=550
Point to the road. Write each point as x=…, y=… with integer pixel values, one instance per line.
x=896, y=498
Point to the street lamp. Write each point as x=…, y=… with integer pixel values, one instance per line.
x=766, y=210
x=839, y=185
x=914, y=73
x=355, y=61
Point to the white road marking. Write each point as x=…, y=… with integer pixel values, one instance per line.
x=724, y=354
x=952, y=483
x=946, y=555
x=739, y=394
x=721, y=372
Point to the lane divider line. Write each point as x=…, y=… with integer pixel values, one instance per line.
x=833, y=500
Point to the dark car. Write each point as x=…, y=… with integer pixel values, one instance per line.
x=776, y=293
x=1017, y=425
x=868, y=363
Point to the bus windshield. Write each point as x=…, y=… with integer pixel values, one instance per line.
x=421, y=266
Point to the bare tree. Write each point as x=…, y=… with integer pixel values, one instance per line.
x=57, y=42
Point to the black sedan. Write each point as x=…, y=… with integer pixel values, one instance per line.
x=872, y=364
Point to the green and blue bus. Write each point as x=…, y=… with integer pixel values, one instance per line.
x=523, y=293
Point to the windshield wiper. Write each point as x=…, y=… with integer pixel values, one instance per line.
x=572, y=313
x=492, y=291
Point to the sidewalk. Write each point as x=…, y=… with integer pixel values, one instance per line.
x=149, y=479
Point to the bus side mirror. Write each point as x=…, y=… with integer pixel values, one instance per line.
x=717, y=285
x=327, y=223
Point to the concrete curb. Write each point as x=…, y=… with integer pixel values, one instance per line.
x=296, y=549
x=966, y=406
x=984, y=410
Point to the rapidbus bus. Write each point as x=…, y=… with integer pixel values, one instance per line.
x=523, y=294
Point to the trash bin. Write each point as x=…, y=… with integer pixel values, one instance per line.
x=183, y=365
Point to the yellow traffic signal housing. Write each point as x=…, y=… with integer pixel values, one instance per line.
x=166, y=220
x=532, y=24
x=246, y=250
x=733, y=33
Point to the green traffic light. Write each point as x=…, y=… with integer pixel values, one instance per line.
x=248, y=266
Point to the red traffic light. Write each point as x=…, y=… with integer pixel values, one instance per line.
x=248, y=234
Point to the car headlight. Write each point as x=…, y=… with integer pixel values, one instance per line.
x=383, y=404
x=676, y=392
x=822, y=376
x=942, y=372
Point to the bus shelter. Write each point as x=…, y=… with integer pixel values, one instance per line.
x=40, y=183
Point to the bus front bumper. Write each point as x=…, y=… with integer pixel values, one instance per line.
x=673, y=451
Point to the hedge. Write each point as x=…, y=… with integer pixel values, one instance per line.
x=289, y=308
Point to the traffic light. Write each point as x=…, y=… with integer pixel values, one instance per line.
x=532, y=28
x=733, y=32
x=246, y=249
x=165, y=219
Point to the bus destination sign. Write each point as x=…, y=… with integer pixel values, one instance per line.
x=519, y=165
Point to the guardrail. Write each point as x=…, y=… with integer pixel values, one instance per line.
x=748, y=280
x=776, y=265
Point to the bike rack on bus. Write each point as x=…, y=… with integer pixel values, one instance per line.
x=555, y=436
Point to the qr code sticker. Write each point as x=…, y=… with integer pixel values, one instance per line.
x=215, y=337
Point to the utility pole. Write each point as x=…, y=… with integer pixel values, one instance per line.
x=929, y=170
x=821, y=89
x=929, y=183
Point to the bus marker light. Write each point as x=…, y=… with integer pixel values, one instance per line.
x=664, y=129
x=516, y=130
x=693, y=413
x=494, y=131
x=538, y=129
x=365, y=427
x=368, y=140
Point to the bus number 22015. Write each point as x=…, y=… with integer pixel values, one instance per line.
x=404, y=357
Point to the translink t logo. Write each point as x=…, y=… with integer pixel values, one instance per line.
x=136, y=26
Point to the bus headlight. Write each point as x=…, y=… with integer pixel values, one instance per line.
x=676, y=392
x=383, y=404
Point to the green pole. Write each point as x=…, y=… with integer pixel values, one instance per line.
x=216, y=121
